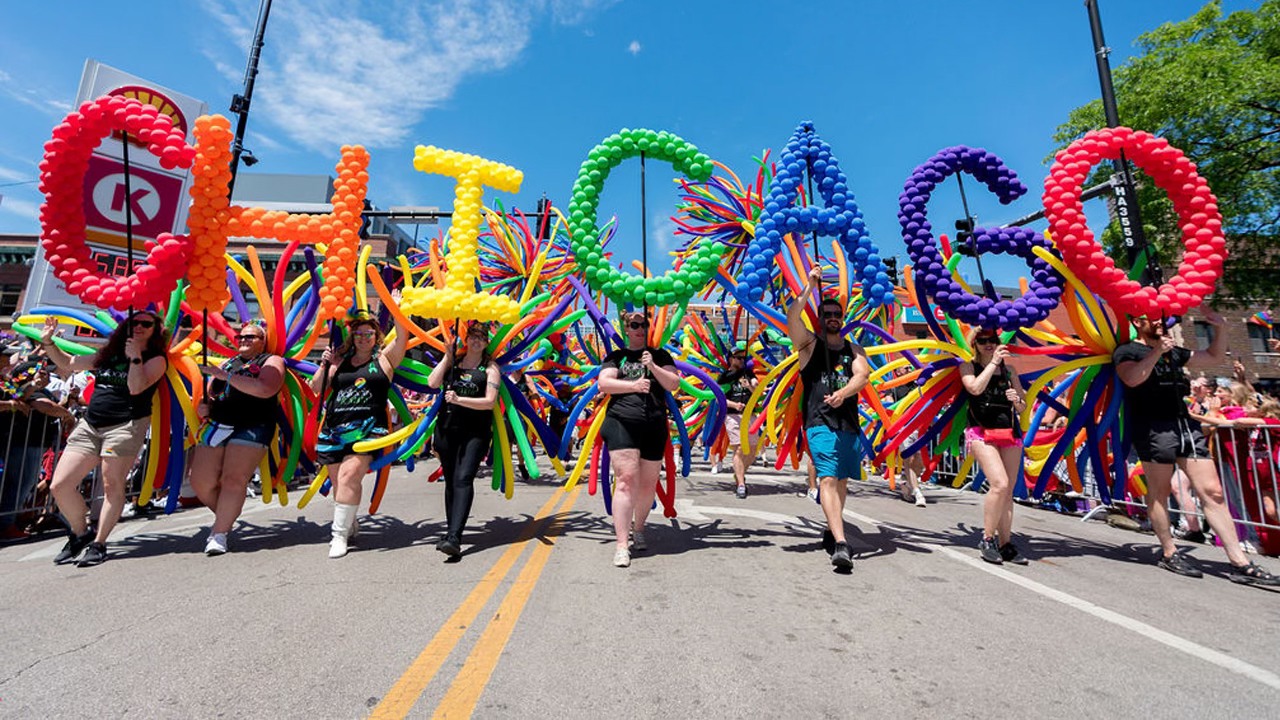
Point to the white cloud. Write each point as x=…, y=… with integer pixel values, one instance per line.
x=22, y=208
x=8, y=175
x=662, y=233
x=333, y=71
x=52, y=106
x=635, y=47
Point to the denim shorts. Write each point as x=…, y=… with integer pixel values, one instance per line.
x=214, y=434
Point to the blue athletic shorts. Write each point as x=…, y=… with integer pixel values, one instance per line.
x=834, y=452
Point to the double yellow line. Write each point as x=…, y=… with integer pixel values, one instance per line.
x=461, y=698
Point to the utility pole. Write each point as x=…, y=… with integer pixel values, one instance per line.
x=240, y=102
x=1125, y=195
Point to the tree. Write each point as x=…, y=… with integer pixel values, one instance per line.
x=1211, y=86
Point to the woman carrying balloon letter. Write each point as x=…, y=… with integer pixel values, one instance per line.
x=995, y=398
x=464, y=430
x=635, y=430
x=125, y=371
x=358, y=387
x=239, y=419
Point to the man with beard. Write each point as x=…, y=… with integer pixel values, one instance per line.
x=833, y=371
x=1163, y=434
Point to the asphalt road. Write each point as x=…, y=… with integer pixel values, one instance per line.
x=734, y=612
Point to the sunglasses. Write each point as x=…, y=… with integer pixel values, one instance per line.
x=987, y=340
x=636, y=325
x=142, y=323
x=365, y=333
x=832, y=314
x=250, y=336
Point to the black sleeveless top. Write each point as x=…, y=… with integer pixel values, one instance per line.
x=827, y=371
x=470, y=383
x=358, y=393
x=111, y=402
x=990, y=409
x=229, y=406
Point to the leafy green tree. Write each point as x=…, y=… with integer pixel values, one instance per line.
x=1211, y=86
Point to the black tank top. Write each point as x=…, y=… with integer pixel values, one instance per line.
x=991, y=409
x=469, y=384
x=358, y=393
x=229, y=406
x=112, y=403
x=826, y=372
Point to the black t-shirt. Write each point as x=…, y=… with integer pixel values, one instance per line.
x=991, y=409
x=358, y=394
x=112, y=403
x=827, y=371
x=638, y=407
x=1161, y=395
x=230, y=406
x=468, y=384
x=736, y=385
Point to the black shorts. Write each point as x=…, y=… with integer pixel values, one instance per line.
x=650, y=438
x=1167, y=441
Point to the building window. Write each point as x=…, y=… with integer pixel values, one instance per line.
x=1258, y=337
x=1204, y=334
x=9, y=295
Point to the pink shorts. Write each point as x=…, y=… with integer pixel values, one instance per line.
x=994, y=438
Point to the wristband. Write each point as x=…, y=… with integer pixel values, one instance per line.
x=135, y=361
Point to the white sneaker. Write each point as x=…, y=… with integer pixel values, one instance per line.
x=813, y=494
x=920, y=498
x=622, y=558
x=715, y=468
x=217, y=544
x=337, y=547
x=637, y=542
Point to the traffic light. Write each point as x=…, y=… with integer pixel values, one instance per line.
x=891, y=265
x=965, y=244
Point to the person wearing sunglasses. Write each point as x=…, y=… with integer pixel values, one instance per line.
x=125, y=372
x=995, y=399
x=637, y=379
x=737, y=382
x=1165, y=437
x=239, y=413
x=464, y=429
x=833, y=371
x=358, y=387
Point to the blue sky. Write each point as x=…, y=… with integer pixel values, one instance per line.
x=537, y=84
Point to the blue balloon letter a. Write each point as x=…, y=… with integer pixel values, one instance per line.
x=836, y=216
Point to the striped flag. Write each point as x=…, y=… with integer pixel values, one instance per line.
x=1261, y=318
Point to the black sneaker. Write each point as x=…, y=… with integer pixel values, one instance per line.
x=1252, y=574
x=841, y=558
x=990, y=551
x=95, y=554
x=1009, y=553
x=741, y=492
x=1176, y=563
x=75, y=545
x=828, y=542
x=450, y=547
x=1195, y=536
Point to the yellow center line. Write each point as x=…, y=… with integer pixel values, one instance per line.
x=402, y=696
x=462, y=696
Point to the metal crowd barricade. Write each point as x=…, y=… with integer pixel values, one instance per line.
x=28, y=457
x=1248, y=463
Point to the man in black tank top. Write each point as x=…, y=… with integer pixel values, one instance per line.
x=833, y=371
x=1159, y=426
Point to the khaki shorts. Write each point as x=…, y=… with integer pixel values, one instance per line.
x=122, y=441
x=733, y=426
